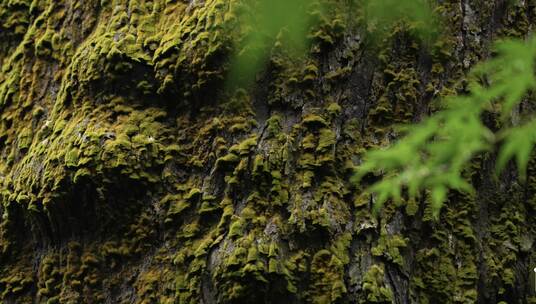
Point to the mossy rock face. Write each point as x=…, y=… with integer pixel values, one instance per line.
x=128, y=174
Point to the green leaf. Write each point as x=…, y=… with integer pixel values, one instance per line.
x=438, y=196
x=518, y=143
x=266, y=22
x=382, y=15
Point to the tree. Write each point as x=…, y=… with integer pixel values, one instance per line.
x=131, y=171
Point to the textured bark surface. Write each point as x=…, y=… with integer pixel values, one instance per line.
x=128, y=176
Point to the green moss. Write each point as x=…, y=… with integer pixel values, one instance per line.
x=208, y=205
x=236, y=228
x=339, y=74
x=273, y=125
x=71, y=158
x=108, y=137
x=25, y=139
x=326, y=141
x=327, y=278
x=244, y=147
x=227, y=160
x=389, y=246
x=314, y=121
x=310, y=72
x=309, y=142
x=374, y=286
x=334, y=109
x=341, y=246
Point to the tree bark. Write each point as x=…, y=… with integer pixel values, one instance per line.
x=128, y=174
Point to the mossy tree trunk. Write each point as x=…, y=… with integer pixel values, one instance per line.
x=128, y=175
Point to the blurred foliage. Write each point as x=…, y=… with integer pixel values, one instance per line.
x=433, y=154
x=268, y=21
x=418, y=16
